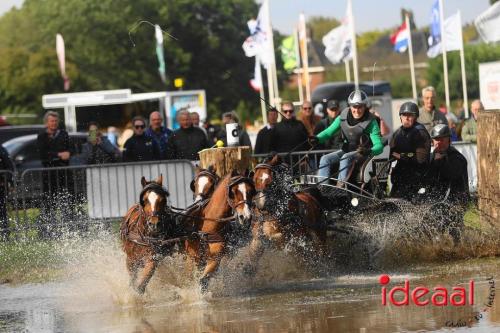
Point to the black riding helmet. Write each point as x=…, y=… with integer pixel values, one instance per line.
x=440, y=131
x=409, y=108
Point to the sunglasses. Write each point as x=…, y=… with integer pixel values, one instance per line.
x=287, y=111
x=140, y=126
x=307, y=108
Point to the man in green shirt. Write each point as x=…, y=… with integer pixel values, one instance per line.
x=469, y=130
x=360, y=135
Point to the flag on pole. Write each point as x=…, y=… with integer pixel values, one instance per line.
x=488, y=24
x=289, y=54
x=61, y=57
x=159, y=53
x=452, y=32
x=434, y=39
x=400, y=38
x=258, y=41
x=256, y=82
x=338, y=42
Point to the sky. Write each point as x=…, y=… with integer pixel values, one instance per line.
x=369, y=14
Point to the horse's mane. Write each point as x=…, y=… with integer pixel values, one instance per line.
x=221, y=188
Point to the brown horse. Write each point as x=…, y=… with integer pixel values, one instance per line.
x=231, y=200
x=204, y=183
x=302, y=217
x=143, y=225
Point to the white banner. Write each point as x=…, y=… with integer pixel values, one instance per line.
x=488, y=24
x=489, y=85
x=338, y=41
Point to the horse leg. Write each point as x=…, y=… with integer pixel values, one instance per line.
x=256, y=250
x=132, y=269
x=145, y=275
x=214, y=254
x=193, y=248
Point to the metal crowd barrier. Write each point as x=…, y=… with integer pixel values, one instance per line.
x=51, y=195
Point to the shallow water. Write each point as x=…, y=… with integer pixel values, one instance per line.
x=93, y=296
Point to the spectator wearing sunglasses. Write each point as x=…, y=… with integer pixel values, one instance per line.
x=289, y=133
x=140, y=147
x=308, y=118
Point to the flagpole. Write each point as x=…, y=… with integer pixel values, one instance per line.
x=261, y=92
x=269, y=69
x=347, y=71
x=462, y=65
x=299, y=75
x=443, y=50
x=305, y=60
x=274, y=79
x=410, y=54
x=354, y=48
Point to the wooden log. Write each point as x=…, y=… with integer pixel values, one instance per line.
x=226, y=159
x=488, y=168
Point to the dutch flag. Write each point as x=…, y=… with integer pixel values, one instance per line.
x=400, y=38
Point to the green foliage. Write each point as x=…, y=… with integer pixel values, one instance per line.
x=474, y=55
x=401, y=86
x=367, y=39
x=100, y=55
x=320, y=26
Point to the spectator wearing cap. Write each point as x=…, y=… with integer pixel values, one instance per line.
x=332, y=112
x=158, y=133
x=430, y=116
x=263, y=142
x=186, y=141
x=308, y=118
x=140, y=147
x=469, y=130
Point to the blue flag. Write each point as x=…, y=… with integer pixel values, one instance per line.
x=434, y=40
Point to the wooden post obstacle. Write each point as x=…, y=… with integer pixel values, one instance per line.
x=226, y=159
x=488, y=166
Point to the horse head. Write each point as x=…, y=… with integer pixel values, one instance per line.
x=153, y=200
x=204, y=183
x=263, y=176
x=241, y=191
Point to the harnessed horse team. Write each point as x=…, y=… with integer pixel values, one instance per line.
x=203, y=231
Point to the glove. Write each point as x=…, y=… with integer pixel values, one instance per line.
x=313, y=140
x=363, y=151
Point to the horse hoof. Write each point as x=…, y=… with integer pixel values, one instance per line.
x=140, y=290
x=249, y=271
x=204, y=284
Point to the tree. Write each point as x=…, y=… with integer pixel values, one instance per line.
x=320, y=26
x=474, y=55
x=206, y=50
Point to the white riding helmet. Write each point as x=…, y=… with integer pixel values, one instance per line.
x=357, y=97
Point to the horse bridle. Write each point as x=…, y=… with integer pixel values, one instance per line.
x=210, y=175
x=263, y=166
x=158, y=189
x=235, y=181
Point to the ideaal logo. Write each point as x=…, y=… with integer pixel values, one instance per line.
x=477, y=315
x=458, y=296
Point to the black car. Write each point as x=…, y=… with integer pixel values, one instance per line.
x=10, y=132
x=24, y=152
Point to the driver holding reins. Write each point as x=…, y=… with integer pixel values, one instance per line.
x=360, y=135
